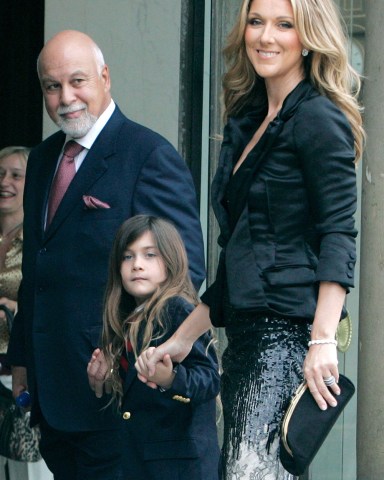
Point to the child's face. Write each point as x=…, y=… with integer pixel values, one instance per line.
x=142, y=269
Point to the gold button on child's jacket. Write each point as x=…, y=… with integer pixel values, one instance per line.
x=180, y=398
x=126, y=415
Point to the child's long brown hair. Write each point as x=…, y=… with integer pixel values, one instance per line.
x=121, y=321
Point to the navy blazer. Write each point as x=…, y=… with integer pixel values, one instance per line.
x=295, y=227
x=172, y=434
x=58, y=325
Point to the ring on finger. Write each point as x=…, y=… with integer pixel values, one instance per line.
x=329, y=380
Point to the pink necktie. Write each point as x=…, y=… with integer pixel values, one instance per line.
x=63, y=177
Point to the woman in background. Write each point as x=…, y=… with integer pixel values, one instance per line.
x=13, y=164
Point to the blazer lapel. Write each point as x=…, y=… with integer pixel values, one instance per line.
x=93, y=167
x=241, y=131
x=45, y=175
x=129, y=379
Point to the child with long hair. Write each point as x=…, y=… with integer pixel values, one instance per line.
x=169, y=432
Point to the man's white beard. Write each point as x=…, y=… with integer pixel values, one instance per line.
x=76, y=127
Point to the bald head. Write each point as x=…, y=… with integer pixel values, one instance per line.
x=68, y=42
x=75, y=81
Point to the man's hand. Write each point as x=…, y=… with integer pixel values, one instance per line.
x=98, y=374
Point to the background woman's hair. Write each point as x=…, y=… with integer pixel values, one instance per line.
x=22, y=151
x=121, y=320
x=321, y=31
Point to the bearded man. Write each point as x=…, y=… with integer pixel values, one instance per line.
x=81, y=184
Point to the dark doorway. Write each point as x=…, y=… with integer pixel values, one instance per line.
x=21, y=39
x=191, y=86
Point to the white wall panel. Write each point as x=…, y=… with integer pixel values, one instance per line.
x=141, y=44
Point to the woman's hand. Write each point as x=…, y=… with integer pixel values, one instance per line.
x=321, y=360
x=10, y=304
x=321, y=363
x=98, y=374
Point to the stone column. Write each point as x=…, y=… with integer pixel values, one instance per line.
x=370, y=410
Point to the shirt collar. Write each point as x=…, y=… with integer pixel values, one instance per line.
x=88, y=139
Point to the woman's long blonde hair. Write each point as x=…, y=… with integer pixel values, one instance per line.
x=121, y=320
x=320, y=29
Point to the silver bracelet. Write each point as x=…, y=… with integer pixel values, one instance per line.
x=331, y=341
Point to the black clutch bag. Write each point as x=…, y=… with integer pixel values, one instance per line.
x=305, y=426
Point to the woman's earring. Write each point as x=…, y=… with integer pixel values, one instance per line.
x=304, y=52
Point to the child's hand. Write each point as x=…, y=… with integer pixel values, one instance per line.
x=164, y=374
x=140, y=365
x=98, y=374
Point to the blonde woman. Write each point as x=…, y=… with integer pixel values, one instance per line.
x=284, y=196
x=13, y=164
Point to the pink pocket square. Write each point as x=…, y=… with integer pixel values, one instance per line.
x=92, y=202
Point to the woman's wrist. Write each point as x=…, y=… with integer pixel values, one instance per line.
x=184, y=340
x=166, y=385
x=195, y=325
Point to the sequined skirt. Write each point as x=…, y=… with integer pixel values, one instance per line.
x=262, y=367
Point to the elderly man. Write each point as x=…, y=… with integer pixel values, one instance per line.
x=82, y=183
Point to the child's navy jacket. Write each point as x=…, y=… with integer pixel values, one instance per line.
x=172, y=435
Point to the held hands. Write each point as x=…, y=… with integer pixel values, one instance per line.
x=143, y=366
x=98, y=374
x=164, y=374
x=321, y=364
x=149, y=360
x=154, y=366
